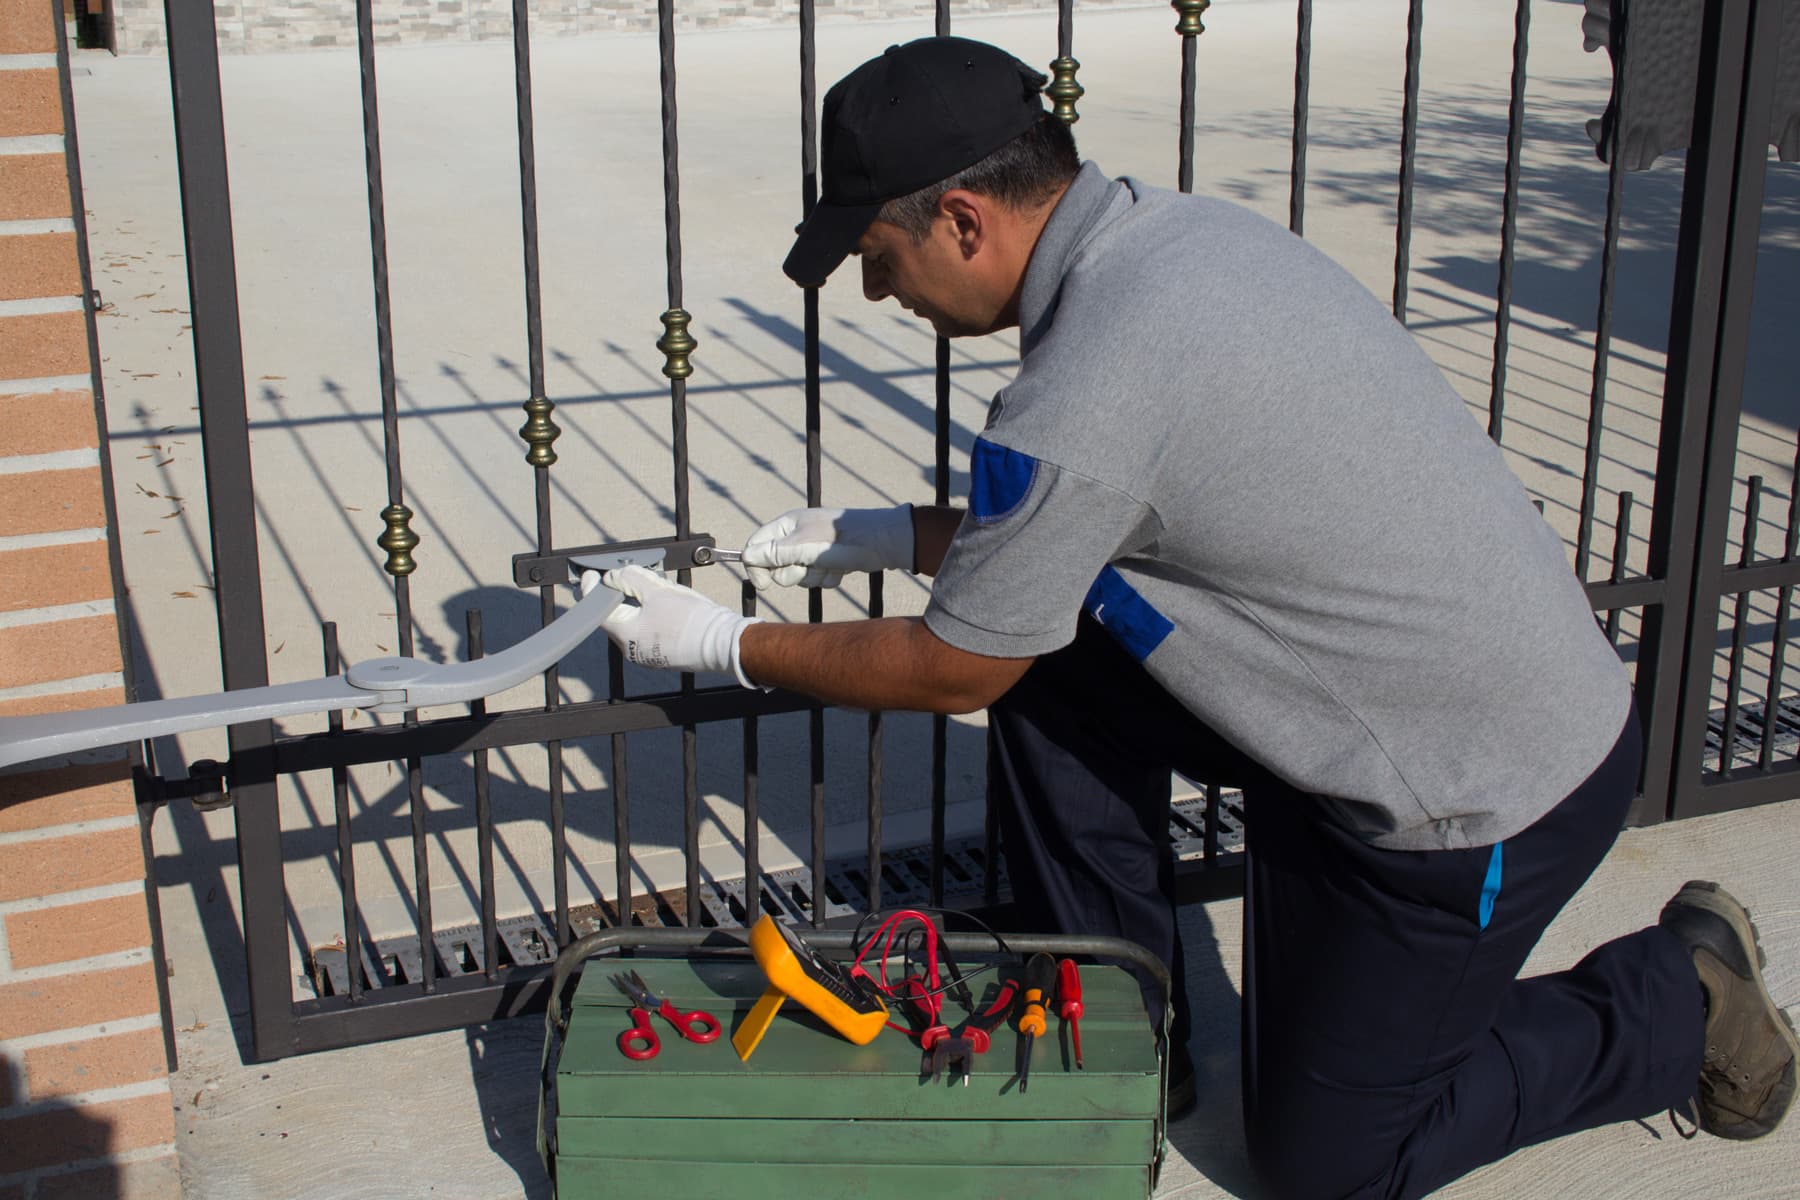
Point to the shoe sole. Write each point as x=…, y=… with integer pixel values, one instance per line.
x=1710, y=897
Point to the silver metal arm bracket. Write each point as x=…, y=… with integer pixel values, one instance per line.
x=379, y=685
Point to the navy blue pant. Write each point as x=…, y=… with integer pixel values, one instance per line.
x=1388, y=1045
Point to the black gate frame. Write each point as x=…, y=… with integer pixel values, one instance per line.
x=1709, y=333
x=1679, y=595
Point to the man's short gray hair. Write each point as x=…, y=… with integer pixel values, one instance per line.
x=1022, y=174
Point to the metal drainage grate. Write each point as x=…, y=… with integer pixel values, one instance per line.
x=786, y=894
x=1187, y=826
x=1747, y=733
x=391, y=961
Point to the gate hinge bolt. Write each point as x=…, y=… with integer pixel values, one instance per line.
x=211, y=790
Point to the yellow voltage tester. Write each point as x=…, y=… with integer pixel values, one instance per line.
x=848, y=1003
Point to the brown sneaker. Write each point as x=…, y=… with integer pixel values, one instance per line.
x=1747, y=1074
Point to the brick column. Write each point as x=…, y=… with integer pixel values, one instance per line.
x=85, y=1109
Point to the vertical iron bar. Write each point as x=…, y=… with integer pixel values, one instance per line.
x=528, y=216
x=96, y=381
x=399, y=540
x=875, y=758
x=940, y=724
x=1184, y=172
x=559, y=818
x=690, y=821
x=1734, y=674
x=1188, y=25
x=677, y=369
x=542, y=434
x=816, y=810
x=1409, y=144
x=1714, y=269
x=1210, y=840
x=1778, y=656
x=421, y=847
x=219, y=378
x=159, y=953
x=400, y=567
x=621, y=780
x=1609, y=257
x=1302, y=102
x=940, y=749
x=1509, y=218
x=1784, y=598
x=484, y=818
x=1621, y=549
x=346, y=847
x=676, y=345
x=752, y=818
x=990, y=835
x=815, y=610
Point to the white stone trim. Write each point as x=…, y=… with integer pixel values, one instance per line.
x=125, y=1091
x=37, y=143
x=56, y=612
x=106, y=891
x=85, y=1033
x=81, y=966
x=45, y=383
x=141, y=1154
x=38, y=306
x=39, y=226
x=67, y=829
x=56, y=460
x=59, y=687
x=60, y=537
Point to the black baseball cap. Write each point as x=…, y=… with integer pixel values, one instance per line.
x=916, y=115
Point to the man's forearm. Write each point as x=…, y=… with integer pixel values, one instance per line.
x=893, y=663
x=933, y=527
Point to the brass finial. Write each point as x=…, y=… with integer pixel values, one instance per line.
x=399, y=539
x=1189, y=25
x=677, y=344
x=1064, y=91
x=540, y=432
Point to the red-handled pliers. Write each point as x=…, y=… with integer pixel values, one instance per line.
x=640, y=1041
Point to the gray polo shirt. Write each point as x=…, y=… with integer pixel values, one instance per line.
x=1230, y=453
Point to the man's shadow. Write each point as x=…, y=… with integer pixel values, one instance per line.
x=504, y=1064
x=1211, y=1138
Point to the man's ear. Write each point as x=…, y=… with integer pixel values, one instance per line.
x=969, y=217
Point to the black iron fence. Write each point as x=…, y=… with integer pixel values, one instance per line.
x=1666, y=613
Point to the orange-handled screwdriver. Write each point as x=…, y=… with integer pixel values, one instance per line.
x=1068, y=1001
x=1040, y=979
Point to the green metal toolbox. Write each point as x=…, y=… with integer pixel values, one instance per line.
x=812, y=1115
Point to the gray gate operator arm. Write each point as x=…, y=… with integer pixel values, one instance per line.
x=379, y=684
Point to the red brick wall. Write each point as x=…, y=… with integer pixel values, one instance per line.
x=85, y=1109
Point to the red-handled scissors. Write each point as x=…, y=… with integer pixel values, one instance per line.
x=640, y=1041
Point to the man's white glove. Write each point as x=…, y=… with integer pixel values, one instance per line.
x=817, y=547
x=673, y=627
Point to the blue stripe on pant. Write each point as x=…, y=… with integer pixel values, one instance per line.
x=1388, y=1047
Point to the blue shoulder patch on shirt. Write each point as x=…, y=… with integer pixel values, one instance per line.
x=999, y=480
x=1130, y=618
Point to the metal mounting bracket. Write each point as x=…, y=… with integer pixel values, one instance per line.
x=392, y=684
x=537, y=570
